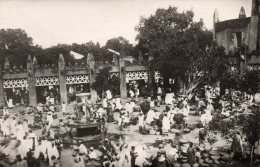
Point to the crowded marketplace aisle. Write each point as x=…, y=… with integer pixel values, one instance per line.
x=44, y=137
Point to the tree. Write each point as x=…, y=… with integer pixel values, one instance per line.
x=179, y=47
x=120, y=44
x=251, y=127
x=15, y=44
x=206, y=69
x=250, y=82
x=104, y=82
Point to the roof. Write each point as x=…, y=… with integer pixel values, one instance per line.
x=232, y=24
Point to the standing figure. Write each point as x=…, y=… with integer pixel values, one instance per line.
x=109, y=95
x=133, y=155
x=191, y=154
x=5, y=112
x=141, y=121
x=166, y=124
x=10, y=103
x=63, y=107
x=237, y=146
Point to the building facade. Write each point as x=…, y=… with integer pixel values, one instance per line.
x=62, y=77
x=240, y=37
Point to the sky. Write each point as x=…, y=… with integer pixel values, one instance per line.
x=50, y=22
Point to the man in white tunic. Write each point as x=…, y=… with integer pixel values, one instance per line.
x=166, y=125
x=20, y=131
x=52, y=152
x=150, y=116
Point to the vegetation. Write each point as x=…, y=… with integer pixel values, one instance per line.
x=17, y=45
x=179, y=47
x=105, y=82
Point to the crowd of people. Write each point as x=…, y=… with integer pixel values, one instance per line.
x=155, y=115
x=16, y=96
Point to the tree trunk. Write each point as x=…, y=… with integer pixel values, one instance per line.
x=252, y=154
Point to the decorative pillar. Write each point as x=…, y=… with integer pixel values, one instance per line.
x=150, y=76
x=2, y=102
x=62, y=80
x=31, y=82
x=122, y=72
x=215, y=20
x=140, y=58
x=92, y=76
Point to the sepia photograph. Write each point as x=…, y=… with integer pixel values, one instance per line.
x=129, y=83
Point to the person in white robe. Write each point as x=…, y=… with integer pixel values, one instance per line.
x=48, y=100
x=52, y=152
x=173, y=152
x=52, y=108
x=20, y=131
x=13, y=125
x=142, y=155
x=210, y=106
x=45, y=144
x=205, y=118
x=63, y=107
x=152, y=103
x=169, y=98
x=92, y=154
x=159, y=94
x=25, y=126
x=150, y=116
x=49, y=118
x=6, y=127
x=10, y=103
x=5, y=112
x=109, y=95
x=23, y=148
x=119, y=105
x=166, y=125
x=38, y=149
x=105, y=103
x=141, y=121
x=129, y=107
x=137, y=93
x=101, y=112
x=131, y=93
x=82, y=149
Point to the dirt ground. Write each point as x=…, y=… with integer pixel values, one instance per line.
x=131, y=136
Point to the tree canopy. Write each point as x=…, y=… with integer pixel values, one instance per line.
x=17, y=46
x=180, y=46
x=120, y=44
x=104, y=81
